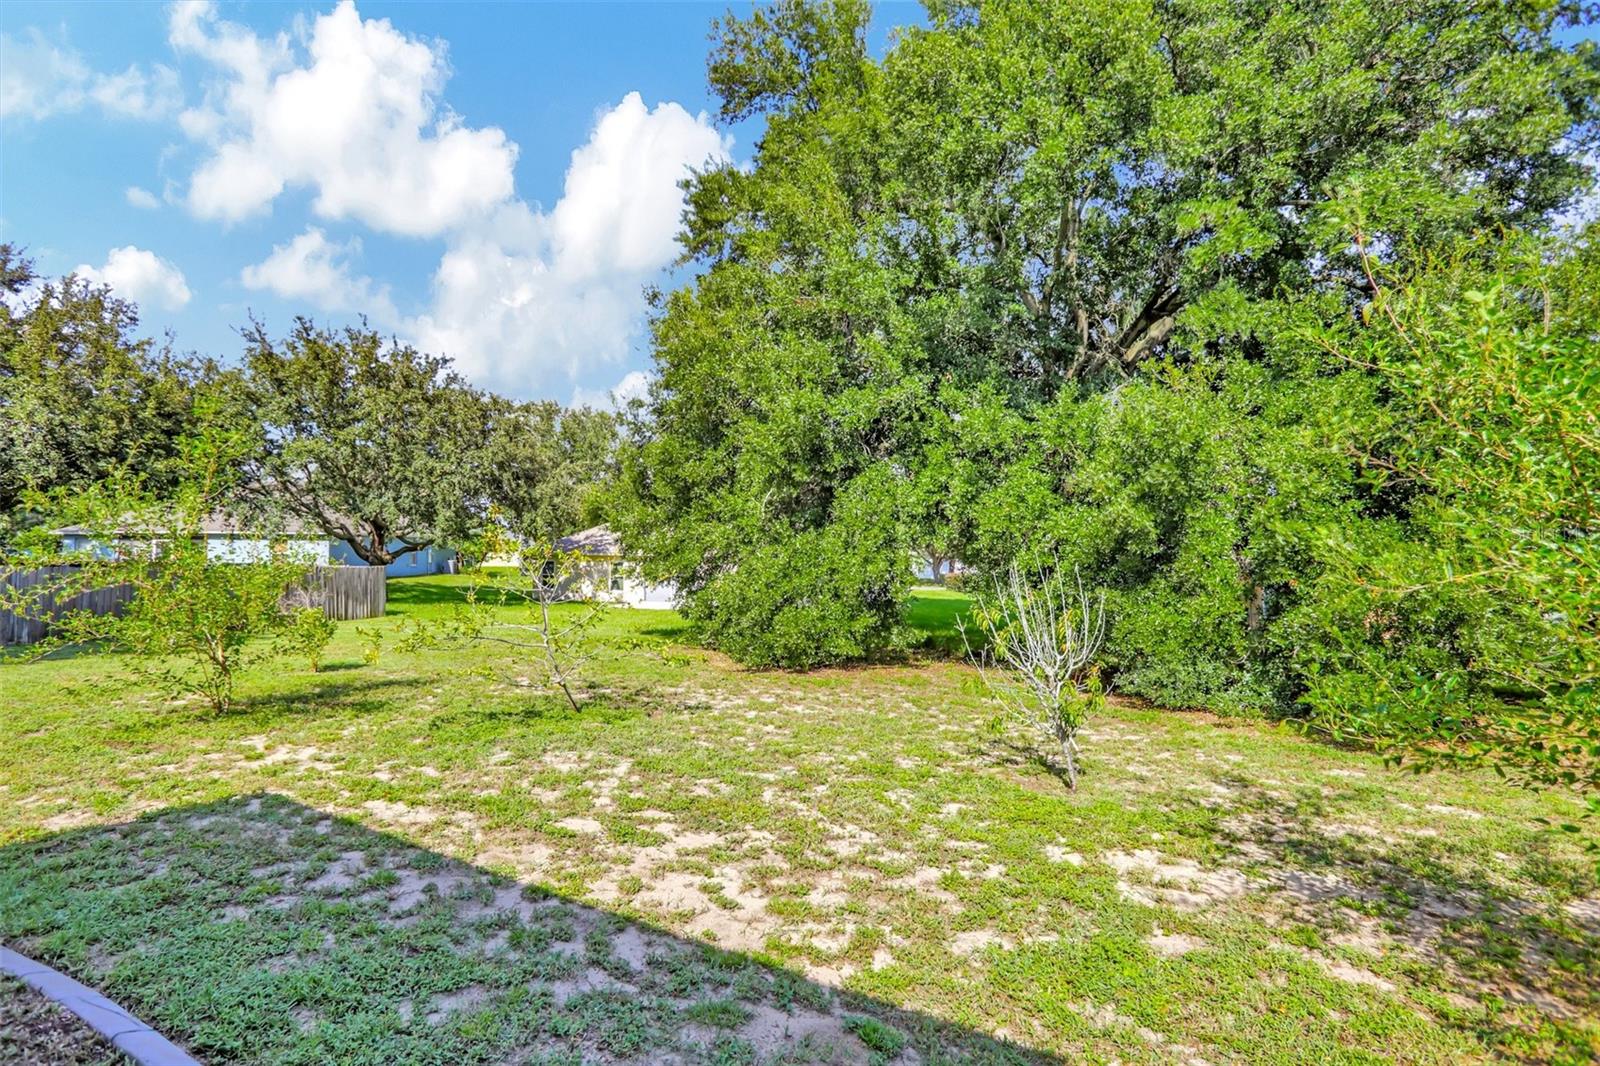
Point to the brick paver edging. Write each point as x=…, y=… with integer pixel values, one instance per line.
x=128, y=1034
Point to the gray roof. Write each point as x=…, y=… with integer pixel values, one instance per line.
x=217, y=523
x=597, y=542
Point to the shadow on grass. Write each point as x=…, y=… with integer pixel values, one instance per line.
x=258, y=929
x=1363, y=894
x=1401, y=891
x=18, y=655
x=407, y=594
x=348, y=695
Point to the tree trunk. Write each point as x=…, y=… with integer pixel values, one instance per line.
x=375, y=551
x=1069, y=754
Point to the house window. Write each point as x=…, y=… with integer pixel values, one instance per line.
x=616, y=578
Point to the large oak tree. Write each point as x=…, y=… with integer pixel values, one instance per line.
x=1025, y=203
x=370, y=441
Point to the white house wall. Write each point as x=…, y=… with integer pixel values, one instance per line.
x=645, y=596
x=221, y=548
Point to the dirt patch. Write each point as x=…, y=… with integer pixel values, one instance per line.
x=632, y=946
x=1347, y=972
x=976, y=940
x=460, y=1001
x=1171, y=945
x=1182, y=884
x=591, y=980
x=343, y=872
x=400, y=813
x=1057, y=853
x=772, y=1032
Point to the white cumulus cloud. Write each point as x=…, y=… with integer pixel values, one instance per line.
x=141, y=198
x=534, y=296
x=40, y=78
x=312, y=268
x=635, y=385
x=526, y=300
x=141, y=276
x=351, y=111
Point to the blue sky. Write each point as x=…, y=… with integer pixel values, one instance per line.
x=413, y=162
x=496, y=182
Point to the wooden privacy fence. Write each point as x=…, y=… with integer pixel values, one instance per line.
x=349, y=592
x=343, y=592
x=31, y=627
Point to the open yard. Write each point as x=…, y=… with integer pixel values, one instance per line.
x=425, y=860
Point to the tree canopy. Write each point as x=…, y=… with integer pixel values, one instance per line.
x=375, y=443
x=80, y=395
x=1039, y=279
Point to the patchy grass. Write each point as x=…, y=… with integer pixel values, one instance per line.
x=428, y=860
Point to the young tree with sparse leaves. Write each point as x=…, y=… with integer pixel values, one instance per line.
x=192, y=624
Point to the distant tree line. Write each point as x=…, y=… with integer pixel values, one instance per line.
x=363, y=438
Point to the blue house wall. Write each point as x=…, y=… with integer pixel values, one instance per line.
x=411, y=564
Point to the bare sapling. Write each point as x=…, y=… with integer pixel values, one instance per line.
x=552, y=576
x=1037, y=642
x=546, y=608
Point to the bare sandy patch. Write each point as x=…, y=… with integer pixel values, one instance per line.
x=632, y=946
x=458, y=1002
x=1179, y=883
x=343, y=872
x=1347, y=972
x=772, y=1032
x=1171, y=945
x=401, y=813
x=974, y=941
x=592, y=979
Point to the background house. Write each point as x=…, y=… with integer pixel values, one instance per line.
x=607, y=576
x=230, y=541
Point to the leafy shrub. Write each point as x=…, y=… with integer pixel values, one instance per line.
x=307, y=634
x=371, y=644
x=1470, y=632
x=814, y=597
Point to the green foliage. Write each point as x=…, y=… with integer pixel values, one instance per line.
x=371, y=643
x=881, y=1037
x=191, y=624
x=378, y=445
x=718, y=1013
x=1468, y=628
x=1033, y=282
x=80, y=397
x=307, y=634
x=547, y=466
x=814, y=597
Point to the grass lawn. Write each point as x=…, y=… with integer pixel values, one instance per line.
x=427, y=860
